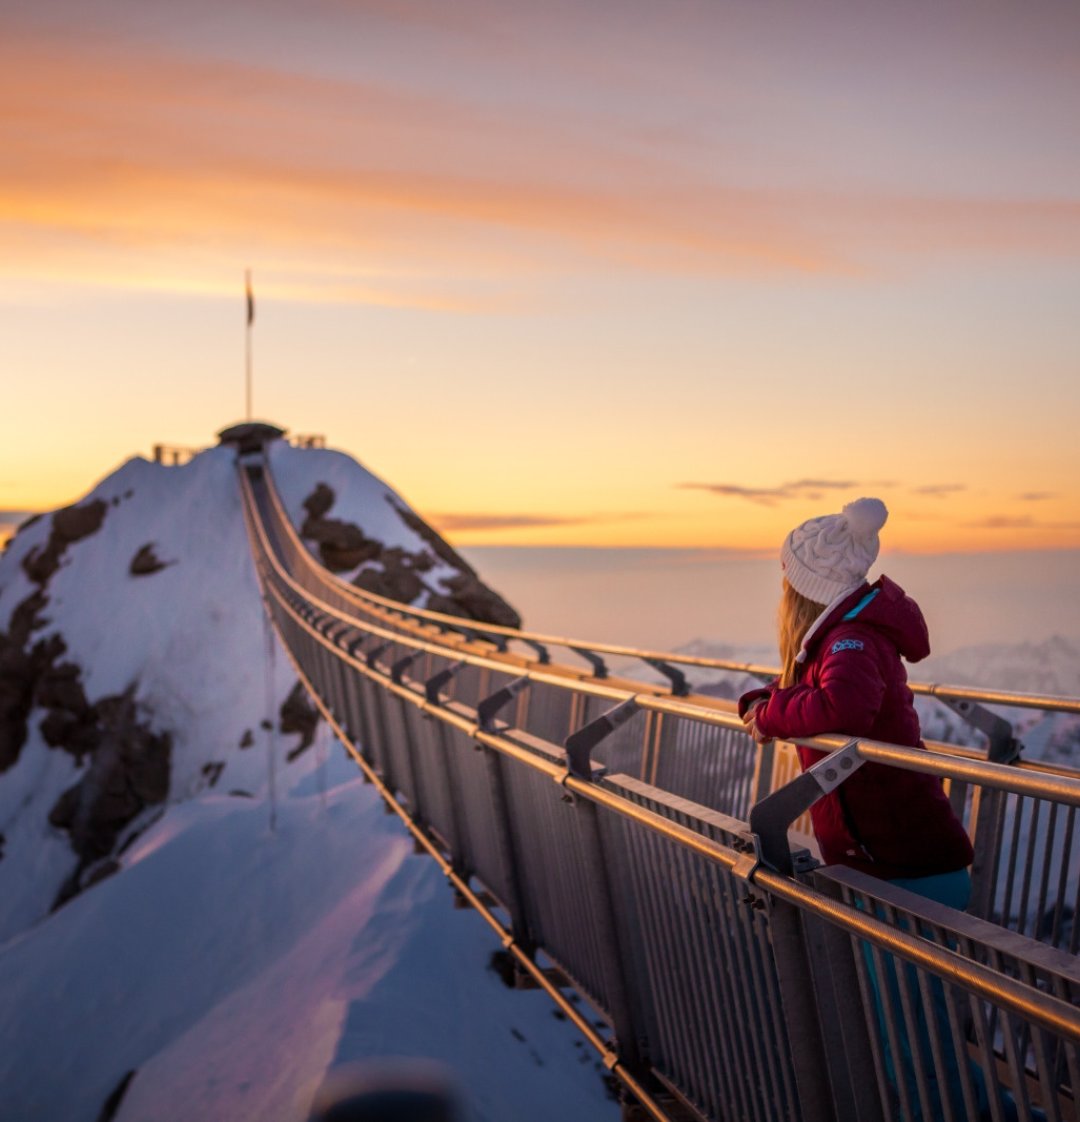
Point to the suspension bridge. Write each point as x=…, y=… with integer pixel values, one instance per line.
x=647, y=865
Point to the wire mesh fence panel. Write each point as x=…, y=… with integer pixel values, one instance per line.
x=557, y=874
x=483, y=836
x=710, y=764
x=468, y=686
x=706, y=990
x=398, y=744
x=625, y=749
x=547, y=712
x=434, y=791
x=376, y=751
x=942, y=1051
x=1035, y=870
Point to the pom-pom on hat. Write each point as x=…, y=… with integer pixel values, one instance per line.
x=827, y=557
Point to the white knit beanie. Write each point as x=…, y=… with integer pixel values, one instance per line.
x=829, y=556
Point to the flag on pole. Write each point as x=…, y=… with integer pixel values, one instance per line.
x=250, y=298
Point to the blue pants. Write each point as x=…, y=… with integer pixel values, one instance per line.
x=953, y=890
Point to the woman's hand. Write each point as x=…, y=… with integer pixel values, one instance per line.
x=750, y=721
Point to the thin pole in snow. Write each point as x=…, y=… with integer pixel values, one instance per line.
x=271, y=764
x=250, y=298
x=320, y=761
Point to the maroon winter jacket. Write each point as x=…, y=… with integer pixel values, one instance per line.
x=883, y=820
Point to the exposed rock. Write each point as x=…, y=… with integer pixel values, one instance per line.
x=469, y=597
x=74, y=523
x=58, y=687
x=398, y=574
x=60, y=729
x=116, y=1097
x=146, y=561
x=20, y=670
x=394, y=583
x=16, y=695
x=299, y=715
x=100, y=871
x=342, y=546
x=28, y=672
x=41, y=562
x=71, y=524
x=212, y=771
x=319, y=501
x=248, y=739
x=128, y=771
x=440, y=547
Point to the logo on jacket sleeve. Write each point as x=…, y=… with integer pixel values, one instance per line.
x=846, y=645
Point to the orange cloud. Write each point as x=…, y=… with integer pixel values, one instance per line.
x=468, y=522
x=110, y=152
x=804, y=489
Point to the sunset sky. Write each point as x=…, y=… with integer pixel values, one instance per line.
x=607, y=273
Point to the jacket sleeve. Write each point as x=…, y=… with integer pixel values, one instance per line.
x=847, y=697
x=757, y=694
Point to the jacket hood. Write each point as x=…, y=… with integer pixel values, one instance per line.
x=887, y=608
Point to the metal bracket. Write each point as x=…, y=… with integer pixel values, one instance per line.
x=489, y=706
x=770, y=818
x=680, y=687
x=334, y=633
x=542, y=651
x=357, y=643
x=600, y=669
x=435, y=683
x=374, y=653
x=579, y=745
x=1004, y=747
x=401, y=666
x=749, y=860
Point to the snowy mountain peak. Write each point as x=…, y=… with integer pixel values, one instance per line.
x=136, y=669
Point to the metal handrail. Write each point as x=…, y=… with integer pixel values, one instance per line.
x=1050, y=1012
x=365, y=677
x=366, y=600
x=1050, y=785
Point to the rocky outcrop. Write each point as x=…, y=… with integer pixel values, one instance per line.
x=297, y=714
x=125, y=763
x=29, y=670
x=342, y=546
x=146, y=562
x=399, y=574
x=128, y=771
x=467, y=596
x=69, y=525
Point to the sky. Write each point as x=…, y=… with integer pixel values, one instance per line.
x=632, y=273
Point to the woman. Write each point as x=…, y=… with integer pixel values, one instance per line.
x=842, y=641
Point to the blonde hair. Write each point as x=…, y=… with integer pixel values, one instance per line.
x=793, y=618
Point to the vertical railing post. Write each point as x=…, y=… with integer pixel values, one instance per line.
x=506, y=846
x=989, y=811
x=579, y=746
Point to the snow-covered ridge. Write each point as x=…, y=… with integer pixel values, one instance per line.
x=137, y=670
x=223, y=965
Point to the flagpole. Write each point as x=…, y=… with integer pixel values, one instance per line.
x=247, y=339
